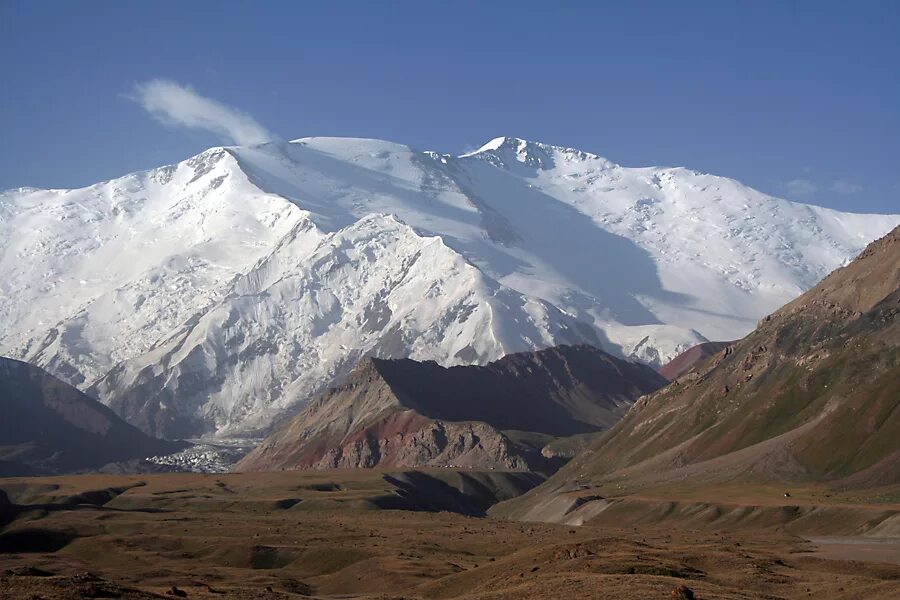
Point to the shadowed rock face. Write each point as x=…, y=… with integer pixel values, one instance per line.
x=7, y=510
x=403, y=413
x=686, y=361
x=48, y=426
x=813, y=394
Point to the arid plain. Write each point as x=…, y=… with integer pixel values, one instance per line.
x=424, y=534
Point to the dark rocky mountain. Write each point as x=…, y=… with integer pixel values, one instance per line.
x=403, y=413
x=50, y=427
x=686, y=361
x=812, y=395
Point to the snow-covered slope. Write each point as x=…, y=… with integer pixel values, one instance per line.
x=216, y=294
x=309, y=311
x=95, y=276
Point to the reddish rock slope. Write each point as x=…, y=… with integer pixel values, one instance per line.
x=402, y=413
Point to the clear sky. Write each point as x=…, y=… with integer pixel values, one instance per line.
x=798, y=99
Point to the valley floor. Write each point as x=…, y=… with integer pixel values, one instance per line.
x=373, y=534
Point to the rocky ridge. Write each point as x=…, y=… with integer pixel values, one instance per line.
x=403, y=413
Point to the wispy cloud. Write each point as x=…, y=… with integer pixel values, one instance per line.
x=800, y=188
x=846, y=187
x=176, y=104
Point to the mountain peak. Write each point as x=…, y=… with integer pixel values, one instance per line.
x=184, y=295
x=500, y=142
x=507, y=150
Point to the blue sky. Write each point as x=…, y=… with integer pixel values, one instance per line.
x=798, y=99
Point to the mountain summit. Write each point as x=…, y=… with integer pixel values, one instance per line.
x=214, y=295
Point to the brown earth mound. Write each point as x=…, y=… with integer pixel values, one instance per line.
x=403, y=413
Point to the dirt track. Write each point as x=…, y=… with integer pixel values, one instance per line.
x=858, y=549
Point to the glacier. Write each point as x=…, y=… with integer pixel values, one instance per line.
x=214, y=296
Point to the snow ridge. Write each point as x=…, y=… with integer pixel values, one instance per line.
x=214, y=295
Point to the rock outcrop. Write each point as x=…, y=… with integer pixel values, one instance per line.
x=686, y=361
x=403, y=413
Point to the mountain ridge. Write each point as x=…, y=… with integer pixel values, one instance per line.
x=566, y=247
x=403, y=413
x=50, y=427
x=811, y=396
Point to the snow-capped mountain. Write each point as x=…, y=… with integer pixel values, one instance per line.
x=310, y=310
x=216, y=294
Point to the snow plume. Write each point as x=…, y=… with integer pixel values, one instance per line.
x=846, y=187
x=800, y=188
x=176, y=104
